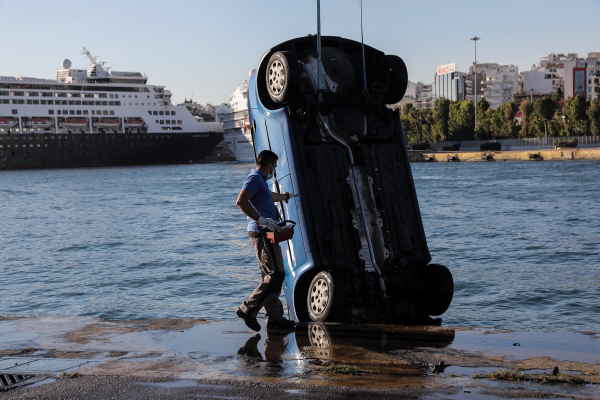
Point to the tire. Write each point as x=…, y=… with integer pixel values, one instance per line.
x=325, y=299
x=440, y=289
x=282, y=77
x=395, y=67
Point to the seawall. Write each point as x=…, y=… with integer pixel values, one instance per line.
x=520, y=155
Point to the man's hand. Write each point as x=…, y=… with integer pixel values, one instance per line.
x=289, y=195
x=268, y=223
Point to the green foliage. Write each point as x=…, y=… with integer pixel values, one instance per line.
x=527, y=127
x=593, y=114
x=544, y=108
x=440, y=116
x=575, y=113
x=461, y=122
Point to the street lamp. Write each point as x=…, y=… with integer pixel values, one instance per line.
x=475, y=39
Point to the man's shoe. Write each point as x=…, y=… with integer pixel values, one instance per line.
x=249, y=320
x=250, y=349
x=283, y=324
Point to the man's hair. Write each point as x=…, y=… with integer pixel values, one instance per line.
x=265, y=158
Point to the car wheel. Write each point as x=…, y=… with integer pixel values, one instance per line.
x=325, y=297
x=282, y=77
x=440, y=289
x=398, y=74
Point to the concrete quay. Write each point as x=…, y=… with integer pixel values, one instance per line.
x=564, y=154
x=89, y=358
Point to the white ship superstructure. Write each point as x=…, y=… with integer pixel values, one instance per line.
x=91, y=101
x=236, y=125
x=96, y=117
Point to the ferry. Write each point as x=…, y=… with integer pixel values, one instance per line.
x=236, y=125
x=97, y=117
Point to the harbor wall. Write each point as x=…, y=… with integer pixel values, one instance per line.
x=523, y=155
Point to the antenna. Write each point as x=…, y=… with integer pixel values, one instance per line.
x=320, y=62
x=92, y=59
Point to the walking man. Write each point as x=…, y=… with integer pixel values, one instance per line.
x=258, y=203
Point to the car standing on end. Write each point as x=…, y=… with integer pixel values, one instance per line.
x=359, y=252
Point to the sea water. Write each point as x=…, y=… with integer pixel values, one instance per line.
x=522, y=240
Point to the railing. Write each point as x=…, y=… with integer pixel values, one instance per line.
x=516, y=144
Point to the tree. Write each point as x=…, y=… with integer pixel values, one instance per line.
x=575, y=111
x=482, y=106
x=421, y=121
x=544, y=109
x=441, y=119
x=526, y=109
x=461, y=122
x=593, y=114
x=406, y=107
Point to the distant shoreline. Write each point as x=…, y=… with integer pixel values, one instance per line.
x=559, y=154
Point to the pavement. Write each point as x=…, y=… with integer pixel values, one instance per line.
x=56, y=357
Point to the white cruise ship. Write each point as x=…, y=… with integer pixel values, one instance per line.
x=96, y=117
x=236, y=125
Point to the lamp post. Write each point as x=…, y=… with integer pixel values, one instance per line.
x=532, y=95
x=475, y=39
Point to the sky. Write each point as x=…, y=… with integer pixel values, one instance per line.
x=204, y=49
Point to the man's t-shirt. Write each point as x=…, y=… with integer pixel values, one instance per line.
x=261, y=199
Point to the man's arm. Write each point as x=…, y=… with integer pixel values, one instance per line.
x=278, y=197
x=243, y=202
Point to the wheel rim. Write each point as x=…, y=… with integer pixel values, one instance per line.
x=319, y=296
x=318, y=337
x=276, y=77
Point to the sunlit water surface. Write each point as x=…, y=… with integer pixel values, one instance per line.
x=521, y=239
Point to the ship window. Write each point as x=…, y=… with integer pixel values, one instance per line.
x=149, y=112
x=136, y=96
x=156, y=121
x=15, y=111
x=136, y=104
x=111, y=103
x=50, y=112
x=148, y=96
x=104, y=112
x=36, y=102
x=116, y=96
x=78, y=112
x=154, y=112
x=78, y=103
x=85, y=112
x=179, y=122
x=112, y=112
x=168, y=122
x=111, y=96
x=162, y=121
x=72, y=112
x=172, y=112
x=117, y=103
x=85, y=103
x=105, y=103
x=161, y=113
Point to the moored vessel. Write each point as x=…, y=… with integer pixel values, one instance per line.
x=96, y=117
x=236, y=125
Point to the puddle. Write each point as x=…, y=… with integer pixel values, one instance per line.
x=566, y=346
x=20, y=365
x=321, y=354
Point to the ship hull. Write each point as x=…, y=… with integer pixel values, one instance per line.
x=53, y=150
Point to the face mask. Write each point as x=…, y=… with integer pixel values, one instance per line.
x=270, y=174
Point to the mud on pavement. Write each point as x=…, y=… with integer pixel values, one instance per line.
x=416, y=360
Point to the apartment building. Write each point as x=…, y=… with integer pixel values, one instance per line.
x=501, y=84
